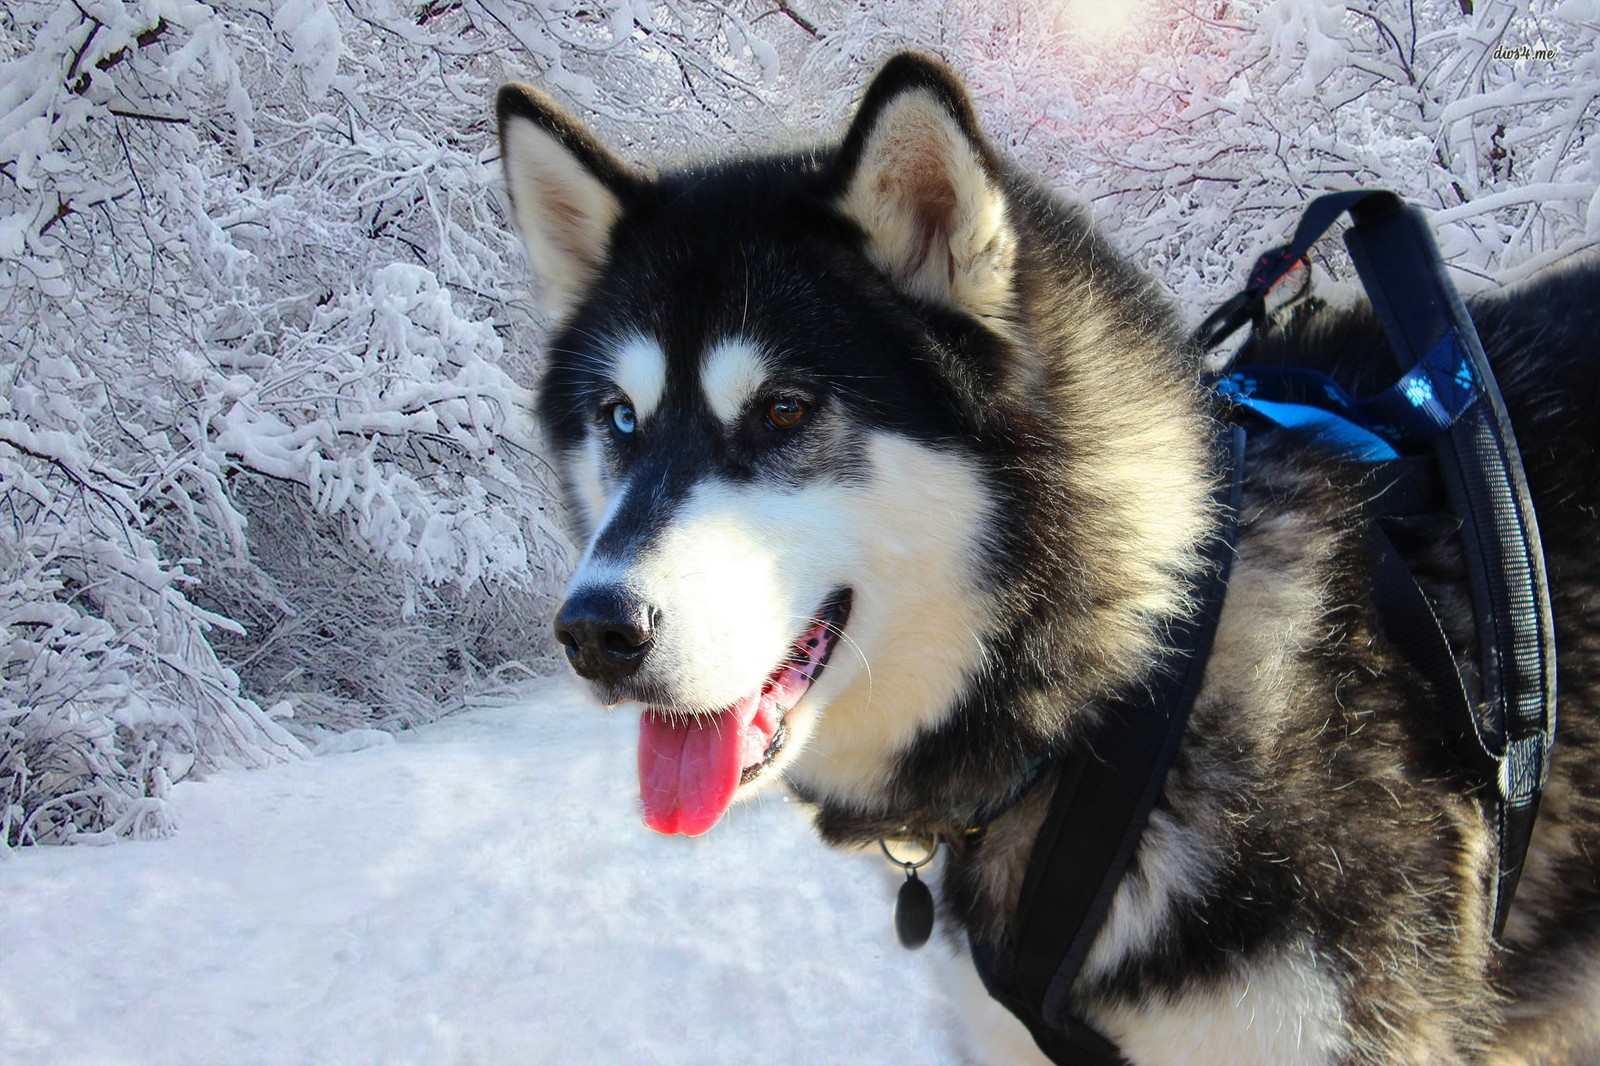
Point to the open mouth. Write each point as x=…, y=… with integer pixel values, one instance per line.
x=690, y=765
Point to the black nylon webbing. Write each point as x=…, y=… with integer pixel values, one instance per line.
x=1102, y=802
x=1481, y=467
x=1106, y=789
x=1474, y=452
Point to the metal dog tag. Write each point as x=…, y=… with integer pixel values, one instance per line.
x=913, y=912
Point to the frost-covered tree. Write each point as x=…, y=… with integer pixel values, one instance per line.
x=265, y=462
x=1198, y=131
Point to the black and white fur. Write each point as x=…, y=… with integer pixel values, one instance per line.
x=1004, y=464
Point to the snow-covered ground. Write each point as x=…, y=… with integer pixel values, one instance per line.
x=479, y=891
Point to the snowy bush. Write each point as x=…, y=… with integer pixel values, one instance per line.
x=265, y=461
x=264, y=447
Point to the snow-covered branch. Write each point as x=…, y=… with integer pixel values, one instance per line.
x=266, y=467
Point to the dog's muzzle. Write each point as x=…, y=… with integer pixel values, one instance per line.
x=606, y=632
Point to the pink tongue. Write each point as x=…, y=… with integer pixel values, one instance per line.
x=689, y=767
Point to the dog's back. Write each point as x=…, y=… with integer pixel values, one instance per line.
x=1540, y=338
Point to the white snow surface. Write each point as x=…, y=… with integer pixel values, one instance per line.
x=479, y=890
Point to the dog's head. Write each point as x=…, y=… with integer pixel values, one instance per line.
x=753, y=397
x=785, y=396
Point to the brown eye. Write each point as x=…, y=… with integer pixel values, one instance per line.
x=786, y=414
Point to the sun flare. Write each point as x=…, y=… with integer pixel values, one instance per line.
x=1103, y=20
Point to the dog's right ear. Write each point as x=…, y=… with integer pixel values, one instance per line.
x=567, y=191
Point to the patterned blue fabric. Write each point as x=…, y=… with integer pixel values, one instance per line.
x=1426, y=401
x=1339, y=433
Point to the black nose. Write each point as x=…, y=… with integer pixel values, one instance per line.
x=606, y=633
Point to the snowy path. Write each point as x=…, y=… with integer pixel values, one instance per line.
x=481, y=891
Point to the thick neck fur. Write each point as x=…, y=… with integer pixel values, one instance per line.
x=1105, y=473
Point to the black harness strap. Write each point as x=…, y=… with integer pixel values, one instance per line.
x=1410, y=621
x=1251, y=304
x=1446, y=411
x=1444, y=422
x=1488, y=490
x=1101, y=804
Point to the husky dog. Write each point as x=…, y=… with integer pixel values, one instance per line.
x=892, y=473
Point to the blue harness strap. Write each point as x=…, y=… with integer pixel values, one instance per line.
x=1425, y=402
x=1335, y=430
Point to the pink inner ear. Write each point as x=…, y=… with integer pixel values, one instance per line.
x=927, y=231
x=570, y=228
x=933, y=214
x=930, y=199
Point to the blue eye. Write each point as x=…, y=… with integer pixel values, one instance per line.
x=623, y=418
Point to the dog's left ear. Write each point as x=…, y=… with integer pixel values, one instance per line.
x=923, y=185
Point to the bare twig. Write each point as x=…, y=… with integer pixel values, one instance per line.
x=786, y=10
x=144, y=40
x=146, y=117
x=63, y=209
x=435, y=8
x=83, y=49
